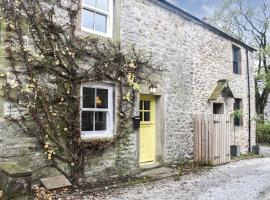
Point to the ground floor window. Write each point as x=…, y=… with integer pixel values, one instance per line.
x=238, y=108
x=96, y=110
x=218, y=108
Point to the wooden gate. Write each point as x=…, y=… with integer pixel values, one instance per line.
x=212, y=139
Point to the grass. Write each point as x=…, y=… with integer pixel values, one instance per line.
x=186, y=168
x=139, y=180
x=248, y=155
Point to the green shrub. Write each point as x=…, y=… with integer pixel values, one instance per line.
x=263, y=132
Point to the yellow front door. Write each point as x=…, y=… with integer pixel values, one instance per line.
x=147, y=129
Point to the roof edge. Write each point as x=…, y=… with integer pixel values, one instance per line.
x=222, y=86
x=178, y=10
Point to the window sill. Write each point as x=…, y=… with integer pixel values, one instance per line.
x=86, y=31
x=93, y=136
x=238, y=127
x=237, y=74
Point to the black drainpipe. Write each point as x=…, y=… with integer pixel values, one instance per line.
x=249, y=116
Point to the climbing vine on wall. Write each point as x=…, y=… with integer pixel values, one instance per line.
x=48, y=60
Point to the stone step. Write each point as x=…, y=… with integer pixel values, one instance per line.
x=158, y=173
x=24, y=146
x=33, y=161
x=23, y=141
x=36, y=162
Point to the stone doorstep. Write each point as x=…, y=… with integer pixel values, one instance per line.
x=152, y=172
x=157, y=173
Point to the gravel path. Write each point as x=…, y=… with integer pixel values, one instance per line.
x=241, y=180
x=265, y=150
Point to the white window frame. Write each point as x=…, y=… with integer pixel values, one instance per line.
x=108, y=14
x=109, y=117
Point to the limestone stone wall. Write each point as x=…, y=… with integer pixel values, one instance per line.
x=194, y=59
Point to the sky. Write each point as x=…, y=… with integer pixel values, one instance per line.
x=203, y=8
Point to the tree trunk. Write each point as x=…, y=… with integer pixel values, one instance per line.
x=261, y=101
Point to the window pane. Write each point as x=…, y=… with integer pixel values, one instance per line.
x=141, y=116
x=218, y=108
x=100, y=23
x=234, y=54
x=87, y=121
x=141, y=105
x=235, y=68
x=102, y=98
x=87, y=19
x=237, y=121
x=100, y=121
x=237, y=104
x=146, y=105
x=88, y=97
x=236, y=60
x=146, y=116
x=103, y=5
x=90, y=2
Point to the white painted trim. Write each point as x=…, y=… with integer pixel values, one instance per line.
x=109, y=16
x=109, y=110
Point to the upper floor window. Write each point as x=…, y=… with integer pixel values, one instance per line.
x=96, y=110
x=236, y=60
x=97, y=16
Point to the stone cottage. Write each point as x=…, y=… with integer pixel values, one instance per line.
x=197, y=59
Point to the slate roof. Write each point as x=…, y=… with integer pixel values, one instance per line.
x=188, y=16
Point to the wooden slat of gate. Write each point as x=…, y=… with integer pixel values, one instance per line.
x=228, y=154
x=204, y=136
x=215, y=140
x=221, y=127
x=195, y=141
x=207, y=139
x=222, y=134
x=219, y=146
x=218, y=139
x=226, y=138
x=200, y=140
x=210, y=140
